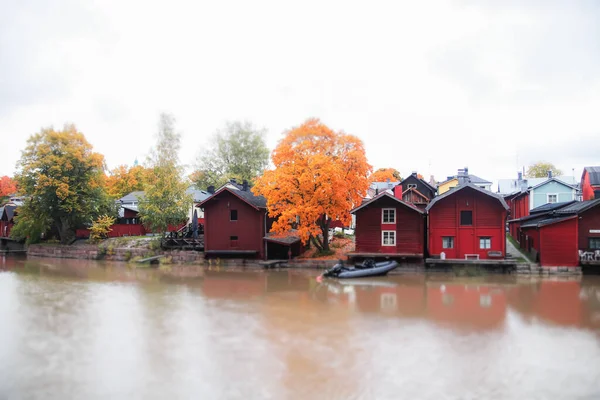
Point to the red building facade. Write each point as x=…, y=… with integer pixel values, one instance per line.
x=519, y=208
x=7, y=212
x=590, y=183
x=467, y=222
x=389, y=227
x=235, y=223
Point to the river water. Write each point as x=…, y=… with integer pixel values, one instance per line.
x=73, y=329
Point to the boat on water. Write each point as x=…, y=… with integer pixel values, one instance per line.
x=366, y=269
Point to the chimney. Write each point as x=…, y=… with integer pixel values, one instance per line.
x=376, y=191
x=467, y=171
x=232, y=180
x=245, y=185
x=211, y=189
x=549, y=173
x=519, y=176
x=414, y=173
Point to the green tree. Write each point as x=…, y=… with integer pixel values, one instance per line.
x=63, y=179
x=165, y=202
x=540, y=170
x=239, y=151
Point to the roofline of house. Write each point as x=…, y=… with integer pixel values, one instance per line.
x=472, y=186
x=225, y=188
x=391, y=196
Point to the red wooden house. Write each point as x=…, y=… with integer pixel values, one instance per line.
x=519, y=208
x=415, y=190
x=590, y=183
x=467, y=222
x=7, y=212
x=566, y=236
x=236, y=225
x=389, y=227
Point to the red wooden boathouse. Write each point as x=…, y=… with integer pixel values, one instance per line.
x=467, y=222
x=389, y=227
x=566, y=236
x=235, y=222
x=7, y=212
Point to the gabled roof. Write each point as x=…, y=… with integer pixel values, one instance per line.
x=546, y=221
x=464, y=186
x=557, y=180
x=133, y=196
x=9, y=212
x=577, y=207
x=246, y=196
x=475, y=179
x=594, y=173
x=510, y=186
x=419, y=179
x=389, y=195
x=550, y=207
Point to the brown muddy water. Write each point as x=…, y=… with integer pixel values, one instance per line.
x=89, y=330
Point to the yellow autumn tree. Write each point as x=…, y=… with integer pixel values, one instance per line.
x=123, y=180
x=319, y=175
x=63, y=179
x=383, y=174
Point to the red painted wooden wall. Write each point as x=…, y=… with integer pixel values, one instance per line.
x=409, y=228
x=590, y=220
x=558, y=244
x=218, y=229
x=488, y=221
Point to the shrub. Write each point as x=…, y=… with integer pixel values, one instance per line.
x=101, y=228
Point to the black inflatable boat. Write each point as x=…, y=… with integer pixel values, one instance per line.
x=366, y=269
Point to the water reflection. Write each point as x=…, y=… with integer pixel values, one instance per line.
x=83, y=329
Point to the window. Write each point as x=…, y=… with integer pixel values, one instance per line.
x=552, y=198
x=233, y=241
x=388, y=238
x=233, y=215
x=595, y=243
x=412, y=186
x=447, y=242
x=388, y=216
x=485, y=243
x=466, y=218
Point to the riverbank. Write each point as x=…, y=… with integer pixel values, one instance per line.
x=132, y=249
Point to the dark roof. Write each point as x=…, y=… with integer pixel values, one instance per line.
x=287, y=238
x=9, y=211
x=577, y=207
x=246, y=196
x=550, y=207
x=546, y=221
x=386, y=194
x=594, y=173
x=464, y=186
x=197, y=195
x=419, y=179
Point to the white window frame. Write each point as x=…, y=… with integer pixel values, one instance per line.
x=551, y=194
x=383, y=210
x=445, y=248
x=411, y=186
x=392, y=235
x=489, y=239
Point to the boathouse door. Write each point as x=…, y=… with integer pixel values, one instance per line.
x=465, y=242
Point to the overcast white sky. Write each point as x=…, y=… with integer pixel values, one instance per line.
x=428, y=86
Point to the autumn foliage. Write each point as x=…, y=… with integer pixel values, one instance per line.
x=383, y=174
x=123, y=180
x=7, y=187
x=319, y=174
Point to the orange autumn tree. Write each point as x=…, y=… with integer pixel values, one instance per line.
x=8, y=186
x=319, y=174
x=123, y=180
x=383, y=174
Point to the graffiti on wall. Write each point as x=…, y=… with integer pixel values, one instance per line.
x=589, y=256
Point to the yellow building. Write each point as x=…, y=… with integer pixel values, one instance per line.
x=443, y=187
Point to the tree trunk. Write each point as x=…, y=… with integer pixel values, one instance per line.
x=316, y=242
x=64, y=231
x=325, y=229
